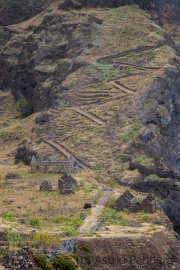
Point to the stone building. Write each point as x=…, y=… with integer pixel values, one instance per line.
x=45, y=186
x=126, y=200
x=67, y=184
x=53, y=166
x=148, y=204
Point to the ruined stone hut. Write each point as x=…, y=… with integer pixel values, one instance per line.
x=126, y=200
x=66, y=184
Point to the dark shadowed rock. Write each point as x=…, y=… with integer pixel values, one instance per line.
x=43, y=118
x=45, y=186
x=87, y=205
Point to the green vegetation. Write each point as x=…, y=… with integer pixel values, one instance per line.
x=42, y=262
x=44, y=239
x=34, y=222
x=95, y=201
x=130, y=135
x=95, y=186
x=7, y=216
x=107, y=71
x=143, y=160
x=86, y=248
x=153, y=177
x=64, y=261
x=13, y=238
x=24, y=107
x=142, y=217
x=111, y=216
x=71, y=231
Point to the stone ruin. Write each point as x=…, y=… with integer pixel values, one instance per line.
x=45, y=186
x=148, y=204
x=66, y=184
x=53, y=166
x=128, y=201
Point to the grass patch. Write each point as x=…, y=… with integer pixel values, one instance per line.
x=7, y=216
x=112, y=217
x=34, y=222
x=143, y=160
x=70, y=231
x=130, y=135
x=153, y=177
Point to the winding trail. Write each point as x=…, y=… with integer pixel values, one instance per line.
x=89, y=116
x=91, y=221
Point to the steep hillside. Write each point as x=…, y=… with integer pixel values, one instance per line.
x=98, y=82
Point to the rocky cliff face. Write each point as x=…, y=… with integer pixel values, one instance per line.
x=125, y=253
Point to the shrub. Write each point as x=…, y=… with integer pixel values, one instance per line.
x=100, y=193
x=7, y=216
x=16, y=161
x=95, y=201
x=56, y=219
x=95, y=186
x=44, y=239
x=13, y=238
x=64, y=261
x=24, y=107
x=86, y=248
x=34, y=222
x=42, y=262
x=82, y=182
x=70, y=231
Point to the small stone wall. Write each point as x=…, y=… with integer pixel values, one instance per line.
x=22, y=260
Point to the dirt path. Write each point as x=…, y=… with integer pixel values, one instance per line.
x=138, y=66
x=89, y=116
x=67, y=153
x=122, y=54
x=58, y=147
x=91, y=221
x=123, y=88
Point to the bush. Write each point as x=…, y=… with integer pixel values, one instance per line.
x=13, y=238
x=34, y=222
x=42, y=262
x=44, y=241
x=16, y=161
x=7, y=216
x=64, y=262
x=86, y=248
x=70, y=231
x=24, y=107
